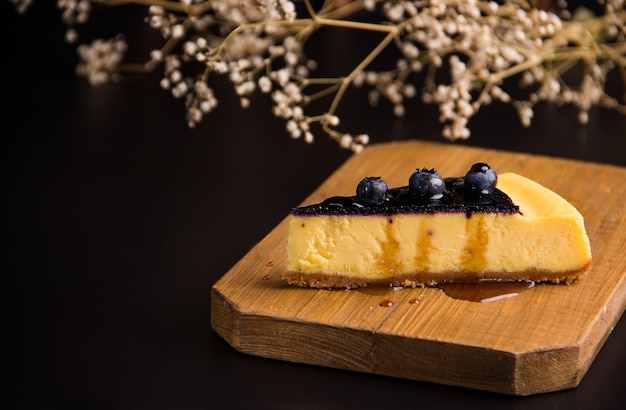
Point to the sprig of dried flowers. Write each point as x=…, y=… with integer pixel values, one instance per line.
x=258, y=45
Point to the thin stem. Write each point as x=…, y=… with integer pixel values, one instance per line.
x=165, y=50
x=132, y=68
x=346, y=9
x=281, y=23
x=323, y=93
x=322, y=81
x=309, y=8
x=356, y=25
x=358, y=69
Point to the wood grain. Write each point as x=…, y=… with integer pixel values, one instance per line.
x=543, y=340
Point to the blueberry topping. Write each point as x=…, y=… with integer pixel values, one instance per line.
x=480, y=179
x=426, y=183
x=427, y=193
x=372, y=191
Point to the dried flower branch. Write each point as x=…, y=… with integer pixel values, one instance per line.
x=479, y=45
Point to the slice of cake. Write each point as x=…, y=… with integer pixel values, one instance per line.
x=437, y=230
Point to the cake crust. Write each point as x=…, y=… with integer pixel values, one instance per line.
x=322, y=280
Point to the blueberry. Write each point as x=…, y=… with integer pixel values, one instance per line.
x=372, y=191
x=480, y=179
x=426, y=183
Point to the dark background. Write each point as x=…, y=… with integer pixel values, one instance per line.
x=118, y=219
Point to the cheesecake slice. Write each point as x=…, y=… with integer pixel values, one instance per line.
x=435, y=230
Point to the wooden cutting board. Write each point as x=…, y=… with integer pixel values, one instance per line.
x=542, y=340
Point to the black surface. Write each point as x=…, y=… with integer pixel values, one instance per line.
x=118, y=219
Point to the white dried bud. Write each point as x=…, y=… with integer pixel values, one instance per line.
x=265, y=84
x=345, y=141
x=235, y=77
x=180, y=90
x=190, y=48
x=369, y=5
x=201, y=42
x=156, y=10
x=71, y=35
x=208, y=105
x=293, y=129
x=245, y=88
x=409, y=90
x=308, y=137
x=410, y=50
x=525, y=113
x=194, y=114
x=290, y=43
x=156, y=55
x=398, y=110
x=298, y=114
x=333, y=120
x=176, y=76
x=220, y=67
x=291, y=58
x=282, y=76
x=371, y=77
x=362, y=139
x=359, y=79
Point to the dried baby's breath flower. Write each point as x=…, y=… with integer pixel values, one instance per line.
x=469, y=51
x=100, y=60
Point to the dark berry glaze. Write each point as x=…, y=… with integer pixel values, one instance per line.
x=456, y=198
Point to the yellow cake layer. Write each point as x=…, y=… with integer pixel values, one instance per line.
x=546, y=241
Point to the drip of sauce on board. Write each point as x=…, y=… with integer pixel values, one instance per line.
x=486, y=291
